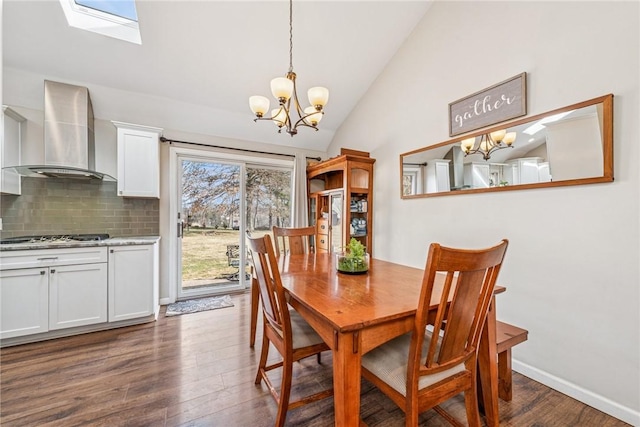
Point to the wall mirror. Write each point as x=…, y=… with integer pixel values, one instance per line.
x=572, y=145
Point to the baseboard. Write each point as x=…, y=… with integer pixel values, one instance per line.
x=78, y=330
x=166, y=301
x=587, y=397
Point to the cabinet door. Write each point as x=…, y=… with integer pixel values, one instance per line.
x=138, y=161
x=442, y=176
x=10, y=152
x=78, y=295
x=336, y=219
x=476, y=175
x=24, y=302
x=313, y=210
x=131, y=282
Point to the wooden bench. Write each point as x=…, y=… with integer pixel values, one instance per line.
x=506, y=337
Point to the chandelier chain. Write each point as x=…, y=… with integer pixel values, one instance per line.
x=284, y=90
x=290, y=36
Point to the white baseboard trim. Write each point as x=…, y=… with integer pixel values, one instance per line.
x=587, y=397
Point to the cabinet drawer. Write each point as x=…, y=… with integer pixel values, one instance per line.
x=52, y=257
x=323, y=226
x=323, y=243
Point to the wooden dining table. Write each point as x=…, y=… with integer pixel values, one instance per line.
x=356, y=313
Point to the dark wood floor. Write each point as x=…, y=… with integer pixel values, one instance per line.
x=198, y=370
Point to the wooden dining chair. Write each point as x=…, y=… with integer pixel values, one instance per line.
x=289, y=333
x=293, y=240
x=438, y=358
x=287, y=240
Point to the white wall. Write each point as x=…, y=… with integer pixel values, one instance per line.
x=572, y=268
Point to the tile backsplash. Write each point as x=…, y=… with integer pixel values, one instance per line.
x=67, y=206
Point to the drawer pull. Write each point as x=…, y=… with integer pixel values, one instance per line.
x=42, y=273
x=53, y=271
x=47, y=258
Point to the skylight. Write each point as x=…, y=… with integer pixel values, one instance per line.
x=540, y=124
x=111, y=18
x=122, y=8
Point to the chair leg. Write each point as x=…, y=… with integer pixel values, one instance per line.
x=471, y=404
x=263, y=358
x=285, y=392
x=505, y=375
x=254, y=312
x=411, y=418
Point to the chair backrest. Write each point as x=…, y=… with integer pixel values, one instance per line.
x=299, y=239
x=265, y=269
x=468, y=278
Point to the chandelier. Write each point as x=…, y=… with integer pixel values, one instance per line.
x=488, y=143
x=284, y=90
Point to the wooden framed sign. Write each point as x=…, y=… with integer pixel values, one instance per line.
x=498, y=103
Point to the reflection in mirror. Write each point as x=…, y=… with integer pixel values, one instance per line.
x=568, y=146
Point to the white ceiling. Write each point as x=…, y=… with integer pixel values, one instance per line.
x=200, y=60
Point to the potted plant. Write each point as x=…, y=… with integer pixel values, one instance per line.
x=353, y=259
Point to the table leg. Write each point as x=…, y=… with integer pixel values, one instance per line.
x=346, y=379
x=254, y=311
x=488, y=367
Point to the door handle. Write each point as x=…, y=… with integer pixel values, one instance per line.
x=179, y=229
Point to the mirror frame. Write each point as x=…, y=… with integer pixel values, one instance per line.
x=607, y=148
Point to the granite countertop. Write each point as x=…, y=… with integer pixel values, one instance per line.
x=114, y=241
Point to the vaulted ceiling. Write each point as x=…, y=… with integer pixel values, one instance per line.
x=201, y=60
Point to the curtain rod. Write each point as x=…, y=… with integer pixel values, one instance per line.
x=171, y=141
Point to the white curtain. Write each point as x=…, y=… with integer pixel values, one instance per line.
x=299, y=197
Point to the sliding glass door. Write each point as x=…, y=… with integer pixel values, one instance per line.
x=210, y=195
x=219, y=202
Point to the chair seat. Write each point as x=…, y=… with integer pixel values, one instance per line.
x=389, y=363
x=303, y=335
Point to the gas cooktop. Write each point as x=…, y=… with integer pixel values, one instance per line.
x=56, y=238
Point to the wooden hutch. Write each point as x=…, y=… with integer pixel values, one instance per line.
x=341, y=200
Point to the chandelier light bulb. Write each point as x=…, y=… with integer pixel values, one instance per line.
x=486, y=144
x=467, y=144
x=318, y=97
x=281, y=88
x=509, y=138
x=259, y=105
x=314, y=116
x=498, y=135
x=279, y=116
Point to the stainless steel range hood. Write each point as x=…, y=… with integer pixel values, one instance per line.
x=69, y=141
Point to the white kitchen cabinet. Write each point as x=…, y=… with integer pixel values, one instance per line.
x=10, y=180
x=77, y=295
x=525, y=170
x=54, y=292
x=133, y=281
x=477, y=175
x=24, y=302
x=437, y=176
x=50, y=289
x=138, y=160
